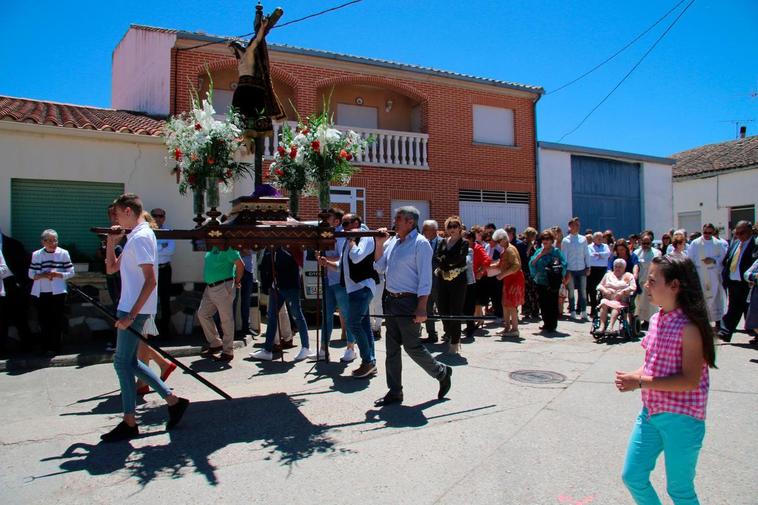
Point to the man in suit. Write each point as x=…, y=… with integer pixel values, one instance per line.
x=15, y=309
x=429, y=230
x=739, y=258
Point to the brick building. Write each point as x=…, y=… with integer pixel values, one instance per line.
x=446, y=142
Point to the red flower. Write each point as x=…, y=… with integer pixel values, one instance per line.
x=279, y=172
x=305, y=131
x=349, y=157
x=343, y=154
x=282, y=151
x=228, y=174
x=198, y=126
x=293, y=152
x=211, y=161
x=315, y=145
x=191, y=178
x=178, y=154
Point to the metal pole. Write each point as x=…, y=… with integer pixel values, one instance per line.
x=146, y=341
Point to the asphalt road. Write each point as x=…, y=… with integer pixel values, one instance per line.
x=295, y=433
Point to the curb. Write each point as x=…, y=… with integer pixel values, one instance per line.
x=95, y=358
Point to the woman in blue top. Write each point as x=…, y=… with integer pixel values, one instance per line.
x=547, y=291
x=621, y=250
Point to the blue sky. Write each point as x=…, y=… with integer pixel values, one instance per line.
x=703, y=74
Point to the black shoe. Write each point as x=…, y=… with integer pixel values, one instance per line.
x=121, y=432
x=445, y=383
x=388, y=399
x=377, y=335
x=724, y=337
x=175, y=412
x=208, y=352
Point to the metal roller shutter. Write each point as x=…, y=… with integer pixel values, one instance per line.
x=68, y=207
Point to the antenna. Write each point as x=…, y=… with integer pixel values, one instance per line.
x=739, y=125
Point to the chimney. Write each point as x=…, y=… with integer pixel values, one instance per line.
x=743, y=131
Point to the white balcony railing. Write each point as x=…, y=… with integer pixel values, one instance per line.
x=389, y=149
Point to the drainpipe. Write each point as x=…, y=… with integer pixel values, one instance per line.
x=536, y=164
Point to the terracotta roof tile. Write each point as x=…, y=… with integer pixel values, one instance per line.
x=42, y=112
x=711, y=158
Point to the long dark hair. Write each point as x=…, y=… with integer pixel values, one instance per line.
x=690, y=298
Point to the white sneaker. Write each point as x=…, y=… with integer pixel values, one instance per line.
x=262, y=354
x=573, y=314
x=304, y=353
x=348, y=356
x=585, y=317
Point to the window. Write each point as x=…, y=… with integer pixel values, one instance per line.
x=357, y=116
x=741, y=213
x=493, y=125
x=222, y=101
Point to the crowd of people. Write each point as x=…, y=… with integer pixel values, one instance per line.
x=688, y=290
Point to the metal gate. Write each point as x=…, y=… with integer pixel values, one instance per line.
x=606, y=194
x=499, y=207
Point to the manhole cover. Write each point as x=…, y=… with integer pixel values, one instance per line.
x=537, y=376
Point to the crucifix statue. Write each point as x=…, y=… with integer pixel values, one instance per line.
x=254, y=95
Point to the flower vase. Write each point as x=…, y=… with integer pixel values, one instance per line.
x=294, y=203
x=212, y=192
x=212, y=198
x=324, y=197
x=198, y=205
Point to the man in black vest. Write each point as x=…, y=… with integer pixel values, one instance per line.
x=357, y=274
x=738, y=259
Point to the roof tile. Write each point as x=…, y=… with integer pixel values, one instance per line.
x=41, y=112
x=711, y=158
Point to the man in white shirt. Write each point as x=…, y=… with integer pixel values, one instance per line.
x=166, y=249
x=137, y=265
x=574, y=247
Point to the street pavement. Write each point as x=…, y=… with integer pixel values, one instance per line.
x=300, y=434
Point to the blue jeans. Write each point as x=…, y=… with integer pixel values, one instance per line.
x=577, y=280
x=680, y=438
x=128, y=366
x=276, y=297
x=335, y=296
x=359, y=323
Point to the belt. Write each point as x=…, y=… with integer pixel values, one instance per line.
x=212, y=284
x=400, y=295
x=166, y=264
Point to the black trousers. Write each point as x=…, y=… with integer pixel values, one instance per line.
x=469, y=306
x=548, y=306
x=14, y=310
x=495, y=289
x=596, y=275
x=431, y=332
x=164, y=299
x=738, y=305
x=50, y=309
x=450, y=298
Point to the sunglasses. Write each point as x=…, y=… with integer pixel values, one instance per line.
x=158, y=215
x=453, y=225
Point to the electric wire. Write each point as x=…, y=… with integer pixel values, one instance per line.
x=309, y=16
x=628, y=73
x=638, y=37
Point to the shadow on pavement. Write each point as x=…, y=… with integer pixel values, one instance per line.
x=273, y=421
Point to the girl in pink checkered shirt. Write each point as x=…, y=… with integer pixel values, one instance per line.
x=679, y=349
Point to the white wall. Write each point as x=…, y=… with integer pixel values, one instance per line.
x=713, y=196
x=657, y=195
x=141, y=75
x=555, y=199
x=50, y=152
x=554, y=183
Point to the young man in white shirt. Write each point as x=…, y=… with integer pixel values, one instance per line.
x=137, y=264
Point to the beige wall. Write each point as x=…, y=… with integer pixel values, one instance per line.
x=399, y=118
x=50, y=152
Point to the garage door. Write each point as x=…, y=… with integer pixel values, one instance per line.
x=606, y=194
x=69, y=207
x=499, y=207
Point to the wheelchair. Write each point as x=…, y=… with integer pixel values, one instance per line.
x=629, y=325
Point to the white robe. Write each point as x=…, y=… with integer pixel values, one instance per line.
x=644, y=307
x=710, y=275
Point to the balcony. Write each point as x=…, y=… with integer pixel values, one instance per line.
x=392, y=149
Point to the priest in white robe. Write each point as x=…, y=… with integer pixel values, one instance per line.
x=707, y=253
